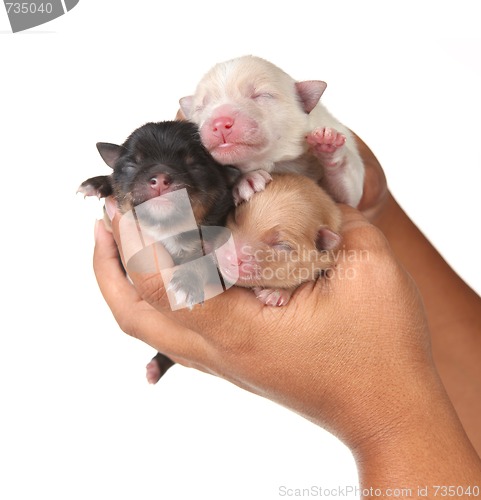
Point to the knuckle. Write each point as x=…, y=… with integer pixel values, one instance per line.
x=152, y=289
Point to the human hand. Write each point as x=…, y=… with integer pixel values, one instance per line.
x=350, y=353
x=375, y=191
x=331, y=363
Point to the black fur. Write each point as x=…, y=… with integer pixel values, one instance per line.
x=174, y=149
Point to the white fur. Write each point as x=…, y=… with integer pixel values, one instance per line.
x=269, y=103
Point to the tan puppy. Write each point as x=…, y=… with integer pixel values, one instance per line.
x=283, y=236
x=253, y=115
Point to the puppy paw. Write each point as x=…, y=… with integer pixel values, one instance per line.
x=99, y=186
x=324, y=141
x=249, y=184
x=187, y=288
x=273, y=296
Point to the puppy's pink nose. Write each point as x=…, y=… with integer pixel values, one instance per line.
x=232, y=258
x=222, y=126
x=160, y=183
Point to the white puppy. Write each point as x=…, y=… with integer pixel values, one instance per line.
x=253, y=115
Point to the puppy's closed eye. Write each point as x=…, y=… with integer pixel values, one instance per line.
x=282, y=247
x=258, y=96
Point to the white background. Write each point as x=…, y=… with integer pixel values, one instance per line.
x=77, y=419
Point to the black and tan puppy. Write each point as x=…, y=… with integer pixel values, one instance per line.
x=157, y=160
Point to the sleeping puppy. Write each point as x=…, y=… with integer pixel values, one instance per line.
x=155, y=163
x=283, y=236
x=253, y=115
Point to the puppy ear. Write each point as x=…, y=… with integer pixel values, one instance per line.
x=180, y=117
x=310, y=92
x=110, y=152
x=327, y=239
x=186, y=106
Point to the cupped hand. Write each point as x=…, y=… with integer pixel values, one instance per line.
x=346, y=345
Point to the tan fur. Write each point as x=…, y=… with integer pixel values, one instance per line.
x=200, y=209
x=289, y=212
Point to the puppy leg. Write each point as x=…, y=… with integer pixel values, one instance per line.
x=156, y=369
x=343, y=169
x=249, y=184
x=273, y=296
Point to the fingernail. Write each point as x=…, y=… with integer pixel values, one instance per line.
x=110, y=207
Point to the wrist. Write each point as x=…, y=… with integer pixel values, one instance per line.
x=422, y=444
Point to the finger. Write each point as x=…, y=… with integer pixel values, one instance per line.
x=147, y=262
x=136, y=317
x=358, y=234
x=110, y=275
x=375, y=191
x=352, y=218
x=114, y=216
